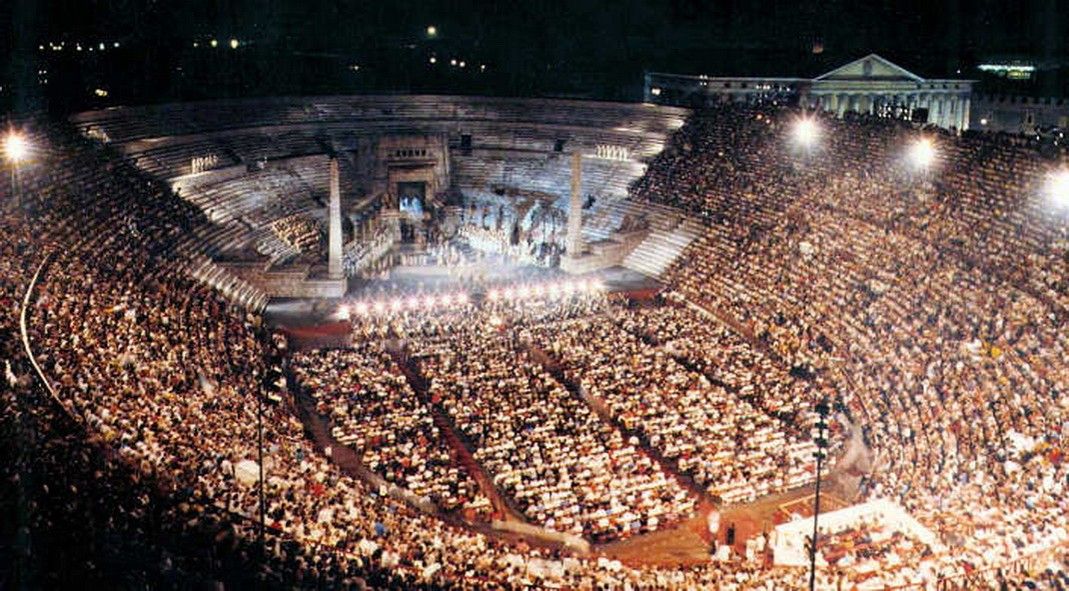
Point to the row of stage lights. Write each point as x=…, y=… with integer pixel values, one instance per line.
x=922, y=154
x=394, y=305
x=557, y=289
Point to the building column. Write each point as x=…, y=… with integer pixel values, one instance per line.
x=334, y=266
x=965, y=113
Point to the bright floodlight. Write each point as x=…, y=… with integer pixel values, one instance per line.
x=1058, y=188
x=432, y=31
x=806, y=132
x=922, y=153
x=15, y=148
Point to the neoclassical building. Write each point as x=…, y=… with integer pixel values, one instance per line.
x=871, y=84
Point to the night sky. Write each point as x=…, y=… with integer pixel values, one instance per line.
x=534, y=47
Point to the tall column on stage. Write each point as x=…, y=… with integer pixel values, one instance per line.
x=334, y=266
x=575, y=208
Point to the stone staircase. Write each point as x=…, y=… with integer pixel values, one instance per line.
x=662, y=247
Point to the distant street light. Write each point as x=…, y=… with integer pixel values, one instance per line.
x=432, y=31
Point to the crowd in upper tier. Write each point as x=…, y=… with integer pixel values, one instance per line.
x=931, y=306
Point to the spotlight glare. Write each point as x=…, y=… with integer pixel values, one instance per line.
x=493, y=295
x=343, y=312
x=922, y=154
x=413, y=302
x=15, y=148
x=395, y=304
x=362, y=308
x=806, y=132
x=1058, y=188
x=380, y=307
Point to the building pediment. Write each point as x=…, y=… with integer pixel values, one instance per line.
x=871, y=68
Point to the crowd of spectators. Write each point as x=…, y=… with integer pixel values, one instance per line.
x=731, y=448
x=566, y=469
x=373, y=409
x=933, y=300
x=933, y=304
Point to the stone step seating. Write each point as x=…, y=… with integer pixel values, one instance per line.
x=481, y=173
x=238, y=290
x=260, y=195
x=89, y=231
x=661, y=248
x=172, y=157
x=127, y=124
x=218, y=239
x=277, y=250
x=605, y=218
x=361, y=254
x=168, y=159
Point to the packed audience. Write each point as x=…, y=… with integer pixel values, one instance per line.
x=732, y=449
x=932, y=302
x=374, y=410
x=567, y=470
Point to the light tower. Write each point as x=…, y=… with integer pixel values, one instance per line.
x=16, y=150
x=820, y=438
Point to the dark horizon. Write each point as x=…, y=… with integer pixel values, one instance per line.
x=540, y=48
